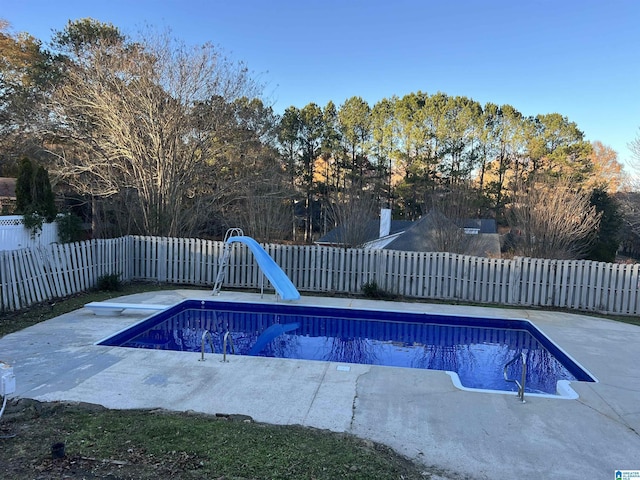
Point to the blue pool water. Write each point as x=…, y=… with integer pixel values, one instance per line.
x=475, y=348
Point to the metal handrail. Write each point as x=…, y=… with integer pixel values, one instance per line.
x=233, y=232
x=224, y=258
x=222, y=267
x=204, y=336
x=228, y=340
x=523, y=378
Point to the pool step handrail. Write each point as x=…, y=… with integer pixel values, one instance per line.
x=523, y=377
x=228, y=340
x=206, y=334
x=224, y=259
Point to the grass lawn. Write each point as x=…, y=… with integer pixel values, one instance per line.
x=152, y=444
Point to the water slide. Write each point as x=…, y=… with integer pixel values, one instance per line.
x=270, y=268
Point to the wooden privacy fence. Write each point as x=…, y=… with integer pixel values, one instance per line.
x=31, y=276
x=34, y=275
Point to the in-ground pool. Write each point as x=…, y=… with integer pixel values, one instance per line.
x=474, y=348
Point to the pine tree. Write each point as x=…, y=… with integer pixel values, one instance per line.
x=34, y=198
x=43, y=198
x=606, y=245
x=24, y=187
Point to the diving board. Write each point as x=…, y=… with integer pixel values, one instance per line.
x=112, y=308
x=269, y=267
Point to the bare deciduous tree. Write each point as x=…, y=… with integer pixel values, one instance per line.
x=555, y=220
x=353, y=212
x=150, y=118
x=634, y=146
x=630, y=206
x=630, y=210
x=261, y=204
x=449, y=209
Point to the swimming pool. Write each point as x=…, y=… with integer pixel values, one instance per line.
x=473, y=349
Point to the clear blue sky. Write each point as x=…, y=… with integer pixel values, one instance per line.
x=579, y=58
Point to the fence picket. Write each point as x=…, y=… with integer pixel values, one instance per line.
x=62, y=269
x=4, y=283
x=87, y=261
x=14, y=281
x=25, y=277
x=37, y=279
x=615, y=287
x=626, y=289
x=74, y=255
x=634, y=304
x=50, y=253
x=159, y=269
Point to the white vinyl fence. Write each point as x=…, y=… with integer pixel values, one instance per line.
x=14, y=235
x=34, y=275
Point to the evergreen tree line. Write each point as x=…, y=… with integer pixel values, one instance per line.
x=409, y=152
x=152, y=136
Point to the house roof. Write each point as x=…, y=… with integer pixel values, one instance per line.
x=372, y=231
x=434, y=230
x=7, y=187
x=422, y=235
x=418, y=238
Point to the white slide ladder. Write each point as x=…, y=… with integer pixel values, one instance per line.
x=224, y=259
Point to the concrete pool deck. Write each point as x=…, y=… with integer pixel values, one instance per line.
x=419, y=413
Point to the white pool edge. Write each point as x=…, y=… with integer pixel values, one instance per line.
x=563, y=389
